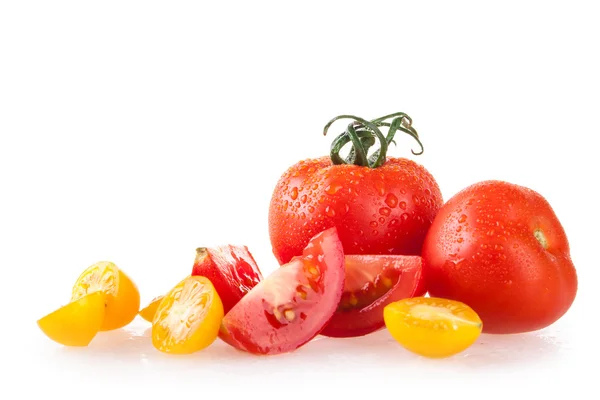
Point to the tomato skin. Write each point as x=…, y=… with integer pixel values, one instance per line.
x=293, y=304
x=384, y=210
x=405, y=272
x=482, y=250
x=230, y=268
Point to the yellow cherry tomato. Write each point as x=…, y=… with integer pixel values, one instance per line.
x=432, y=327
x=122, y=295
x=148, y=312
x=188, y=318
x=76, y=323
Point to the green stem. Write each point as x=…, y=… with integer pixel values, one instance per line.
x=363, y=134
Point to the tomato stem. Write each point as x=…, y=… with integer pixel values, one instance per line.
x=363, y=134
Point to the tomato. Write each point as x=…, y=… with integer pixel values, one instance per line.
x=432, y=327
x=379, y=205
x=122, y=294
x=231, y=269
x=149, y=310
x=500, y=248
x=372, y=282
x=293, y=304
x=76, y=323
x=188, y=317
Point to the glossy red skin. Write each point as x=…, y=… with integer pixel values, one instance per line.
x=367, y=319
x=231, y=269
x=481, y=250
x=385, y=210
x=252, y=325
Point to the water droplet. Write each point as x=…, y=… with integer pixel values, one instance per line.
x=375, y=233
x=427, y=192
x=404, y=216
x=294, y=193
x=297, y=204
x=330, y=211
x=286, y=204
x=459, y=228
x=379, y=185
x=303, y=215
x=315, y=186
x=393, y=222
x=402, y=205
x=381, y=220
x=459, y=240
x=416, y=199
x=385, y=211
x=373, y=224
x=303, y=198
x=311, y=209
x=391, y=200
x=462, y=219
x=333, y=188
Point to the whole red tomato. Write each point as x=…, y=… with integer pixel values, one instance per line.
x=500, y=248
x=379, y=204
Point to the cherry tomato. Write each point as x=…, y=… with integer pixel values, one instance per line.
x=379, y=204
x=293, y=304
x=500, y=248
x=372, y=282
x=188, y=317
x=432, y=327
x=231, y=269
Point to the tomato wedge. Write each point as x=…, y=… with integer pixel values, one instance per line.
x=372, y=282
x=293, y=304
x=231, y=269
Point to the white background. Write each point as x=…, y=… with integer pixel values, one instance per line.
x=137, y=131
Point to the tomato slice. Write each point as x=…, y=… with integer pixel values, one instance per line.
x=293, y=304
x=231, y=269
x=372, y=282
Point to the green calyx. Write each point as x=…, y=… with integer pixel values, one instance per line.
x=363, y=134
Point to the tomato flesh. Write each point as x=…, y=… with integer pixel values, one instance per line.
x=231, y=269
x=372, y=282
x=293, y=304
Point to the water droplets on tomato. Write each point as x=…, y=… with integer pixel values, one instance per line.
x=330, y=211
x=391, y=200
x=462, y=219
x=294, y=193
x=333, y=188
x=402, y=205
x=303, y=198
x=385, y=211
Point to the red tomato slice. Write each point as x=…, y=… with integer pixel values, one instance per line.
x=372, y=282
x=293, y=304
x=231, y=269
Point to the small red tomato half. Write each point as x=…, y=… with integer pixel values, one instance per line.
x=372, y=282
x=230, y=268
x=379, y=204
x=500, y=248
x=293, y=304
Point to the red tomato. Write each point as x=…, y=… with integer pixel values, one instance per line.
x=293, y=304
x=382, y=206
x=500, y=248
x=231, y=269
x=373, y=282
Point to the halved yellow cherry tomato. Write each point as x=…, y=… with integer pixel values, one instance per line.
x=149, y=311
x=122, y=295
x=432, y=327
x=188, y=318
x=76, y=323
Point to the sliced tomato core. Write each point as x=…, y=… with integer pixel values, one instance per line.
x=372, y=282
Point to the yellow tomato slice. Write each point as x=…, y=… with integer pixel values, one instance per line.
x=76, y=323
x=188, y=318
x=122, y=295
x=149, y=311
x=432, y=327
